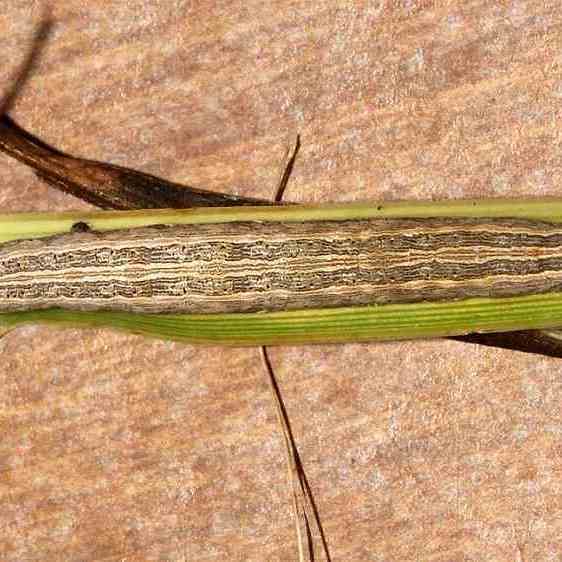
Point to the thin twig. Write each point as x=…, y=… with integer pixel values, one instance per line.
x=29, y=63
x=307, y=518
x=305, y=513
x=287, y=170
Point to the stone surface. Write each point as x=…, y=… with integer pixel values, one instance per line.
x=115, y=447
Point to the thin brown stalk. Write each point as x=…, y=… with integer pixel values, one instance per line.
x=26, y=68
x=308, y=527
x=305, y=513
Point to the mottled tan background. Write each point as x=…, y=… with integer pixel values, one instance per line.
x=114, y=447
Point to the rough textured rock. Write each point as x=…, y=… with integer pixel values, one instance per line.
x=119, y=448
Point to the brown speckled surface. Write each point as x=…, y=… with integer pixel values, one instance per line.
x=115, y=447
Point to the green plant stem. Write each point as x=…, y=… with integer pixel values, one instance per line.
x=369, y=323
x=33, y=225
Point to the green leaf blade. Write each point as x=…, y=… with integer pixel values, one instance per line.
x=370, y=323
